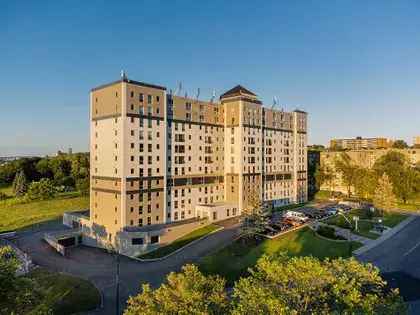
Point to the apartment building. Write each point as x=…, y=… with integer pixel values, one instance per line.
x=359, y=143
x=362, y=158
x=163, y=165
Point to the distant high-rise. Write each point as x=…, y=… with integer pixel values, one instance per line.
x=360, y=143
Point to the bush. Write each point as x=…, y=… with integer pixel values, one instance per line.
x=328, y=232
x=44, y=189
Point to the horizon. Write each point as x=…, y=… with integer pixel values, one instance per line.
x=352, y=66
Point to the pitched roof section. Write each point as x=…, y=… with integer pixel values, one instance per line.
x=237, y=91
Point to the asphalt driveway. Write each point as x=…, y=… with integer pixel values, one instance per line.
x=99, y=267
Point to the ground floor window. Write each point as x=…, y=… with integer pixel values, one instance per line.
x=154, y=239
x=137, y=241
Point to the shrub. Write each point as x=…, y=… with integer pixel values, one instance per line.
x=44, y=189
x=328, y=232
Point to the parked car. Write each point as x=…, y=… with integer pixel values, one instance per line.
x=297, y=216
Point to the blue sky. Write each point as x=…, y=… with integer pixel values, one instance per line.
x=354, y=66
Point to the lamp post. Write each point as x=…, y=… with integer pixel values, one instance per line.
x=115, y=252
x=340, y=212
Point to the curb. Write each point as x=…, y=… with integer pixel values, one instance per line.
x=384, y=237
x=177, y=250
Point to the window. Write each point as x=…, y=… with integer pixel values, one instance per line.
x=154, y=239
x=141, y=97
x=149, y=99
x=137, y=240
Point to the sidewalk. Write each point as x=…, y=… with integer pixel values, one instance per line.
x=384, y=236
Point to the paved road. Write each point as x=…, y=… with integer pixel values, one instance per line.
x=400, y=257
x=99, y=267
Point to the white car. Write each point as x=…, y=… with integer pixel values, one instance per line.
x=298, y=216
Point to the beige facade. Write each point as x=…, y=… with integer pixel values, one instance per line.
x=416, y=141
x=362, y=158
x=160, y=159
x=360, y=143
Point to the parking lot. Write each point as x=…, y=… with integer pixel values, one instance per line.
x=284, y=220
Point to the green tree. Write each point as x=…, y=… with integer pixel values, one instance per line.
x=20, y=185
x=82, y=185
x=42, y=190
x=384, y=198
x=255, y=218
x=347, y=169
x=186, y=293
x=305, y=285
x=16, y=292
x=43, y=167
x=404, y=178
x=400, y=144
x=325, y=175
x=365, y=182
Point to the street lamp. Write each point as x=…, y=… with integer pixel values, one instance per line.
x=340, y=212
x=115, y=252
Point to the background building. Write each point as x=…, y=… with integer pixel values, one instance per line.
x=362, y=158
x=360, y=143
x=163, y=165
x=416, y=142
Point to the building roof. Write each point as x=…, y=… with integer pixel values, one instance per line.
x=129, y=82
x=237, y=90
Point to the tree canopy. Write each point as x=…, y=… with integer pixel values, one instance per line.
x=280, y=284
x=186, y=293
x=400, y=144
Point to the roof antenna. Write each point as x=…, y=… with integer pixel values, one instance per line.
x=123, y=75
x=178, y=88
x=275, y=102
x=198, y=93
x=213, y=96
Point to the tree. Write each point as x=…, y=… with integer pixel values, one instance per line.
x=186, y=293
x=16, y=292
x=404, y=178
x=344, y=165
x=42, y=190
x=365, y=182
x=20, y=185
x=255, y=217
x=82, y=185
x=384, y=197
x=280, y=284
x=325, y=175
x=400, y=144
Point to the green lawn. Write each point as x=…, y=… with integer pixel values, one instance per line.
x=65, y=294
x=390, y=219
x=166, y=250
x=26, y=215
x=234, y=260
x=412, y=204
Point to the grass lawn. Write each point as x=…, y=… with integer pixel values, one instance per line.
x=65, y=294
x=234, y=260
x=390, y=219
x=166, y=250
x=21, y=216
x=412, y=204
